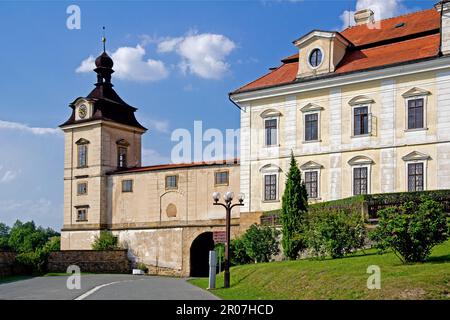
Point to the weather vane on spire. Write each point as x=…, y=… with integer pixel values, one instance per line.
x=104, y=40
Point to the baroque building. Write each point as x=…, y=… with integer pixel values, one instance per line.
x=164, y=214
x=364, y=110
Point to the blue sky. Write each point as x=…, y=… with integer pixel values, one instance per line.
x=175, y=61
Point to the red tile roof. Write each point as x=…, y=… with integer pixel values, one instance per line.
x=176, y=166
x=414, y=23
x=417, y=39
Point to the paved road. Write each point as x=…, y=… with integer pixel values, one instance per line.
x=104, y=287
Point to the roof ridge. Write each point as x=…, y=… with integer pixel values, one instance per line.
x=386, y=19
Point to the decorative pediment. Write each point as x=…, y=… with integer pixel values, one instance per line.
x=310, y=165
x=360, y=100
x=415, y=156
x=319, y=34
x=270, y=168
x=122, y=142
x=270, y=113
x=82, y=141
x=360, y=160
x=415, y=92
x=311, y=107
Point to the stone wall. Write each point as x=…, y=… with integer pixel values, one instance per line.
x=114, y=261
x=7, y=266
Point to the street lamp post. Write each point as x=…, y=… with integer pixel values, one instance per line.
x=227, y=197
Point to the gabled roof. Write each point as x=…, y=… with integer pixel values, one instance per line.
x=403, y=39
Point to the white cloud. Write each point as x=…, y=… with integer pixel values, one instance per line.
x=201, y=54
x=42, y=211
x=25, y=128
x=153, y=157
x=382, y=9
x=158, y=125
x=130, y=64
x=8, y=176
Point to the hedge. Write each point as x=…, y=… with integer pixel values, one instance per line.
x=368, y=204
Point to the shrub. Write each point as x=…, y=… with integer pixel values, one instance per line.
x=411, y=230
x=238, y=253
x=260, y=243
x=334, y=233
x=142, y=266
x=293, y=211
x=106, y=241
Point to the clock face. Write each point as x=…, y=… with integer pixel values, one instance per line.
x=82, y=111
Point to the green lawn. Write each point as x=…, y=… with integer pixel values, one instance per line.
x=339, y=278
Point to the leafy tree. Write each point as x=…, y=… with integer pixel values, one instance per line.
x=260, y=243
x=293, y=211
x=335, y=233
x=106, y=241
x=4, y=236
x=36, y=261
x=411, y=230
x=25, y=237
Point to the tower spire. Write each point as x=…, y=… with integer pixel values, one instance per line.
x=104, y=40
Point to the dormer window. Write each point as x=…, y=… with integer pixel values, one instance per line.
x=315, y=58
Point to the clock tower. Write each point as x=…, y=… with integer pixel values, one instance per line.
x=102, y=135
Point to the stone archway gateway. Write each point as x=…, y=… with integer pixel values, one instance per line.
x=199, y=254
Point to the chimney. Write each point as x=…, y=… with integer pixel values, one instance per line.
x=443, y=7
x=365, y=16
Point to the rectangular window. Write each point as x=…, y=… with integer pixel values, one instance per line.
x=82, y=155
x=82, y=214
x=359, y=181
x=311, y=127
x=221, y=178
x=171, y=182
x=127, y=185
x=415, y=114
x=122, y=157
x=361, y=121
x=415, y=176
x=82, y=188
x=311, y=183
x=271, y=131
x=270, y=187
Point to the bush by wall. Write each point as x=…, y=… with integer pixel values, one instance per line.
x=411, y=229
x=334, y=233
x=106, y=241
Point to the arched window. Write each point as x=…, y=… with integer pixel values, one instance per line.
x=122, y=153
x=361, y=174
x=82, y=153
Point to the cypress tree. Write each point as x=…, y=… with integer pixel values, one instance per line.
x=293, y=211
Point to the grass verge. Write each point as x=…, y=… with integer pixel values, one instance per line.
x=344, y=278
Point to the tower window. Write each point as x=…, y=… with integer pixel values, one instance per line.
x=82, y=214
x=271, y=131
x=122, y=157
x=270, y=187
x=82, y=188
x=82, y=155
